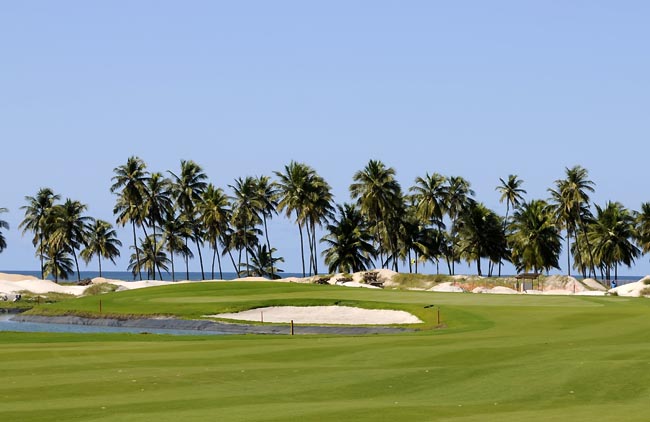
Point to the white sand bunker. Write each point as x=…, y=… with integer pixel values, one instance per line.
x=323, y=315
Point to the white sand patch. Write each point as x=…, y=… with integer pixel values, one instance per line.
x=447, y=287
x=39, y=287
x=251, y=279
x=357, y=284
x=502, y=290
x=344, y=315
x=594, y=285
x=632, y=289
x=16, y=277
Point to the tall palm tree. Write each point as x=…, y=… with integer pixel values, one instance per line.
x=157, y=201
x=267, y=197
x=458, y=198
x=317, y=210
x=246, y=208
x=3, y=225
x=534, y=237
x=571, y=202
x=293, y=196
x=129, y=184
x=612, y=234
x=349, y=242
x=215, y=213
x=37, y=213
x=429, y=194
x=175, y=230
x=70, y=228
x=152, y=258
x=188, y=188
x=512, y=193
x=102, y=242
x=377, y=193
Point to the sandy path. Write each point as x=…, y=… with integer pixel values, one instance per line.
x=323, y=315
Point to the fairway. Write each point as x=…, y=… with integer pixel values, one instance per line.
x=496, y=358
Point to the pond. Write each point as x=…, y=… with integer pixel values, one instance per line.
x=6, y=324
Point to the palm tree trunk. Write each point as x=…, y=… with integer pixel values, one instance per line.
x=313, y=238
x=268, y=244
x=99, y=260
x=137, y=250
x=40, y=235
x=216, y=248
x=505, y=223
x=410, y=264
x=187, y=262
x=214, y=254
x=198, y=248
x=153, y=250
x=171, y=258
x=302, y=250
x=76, y=263
x=311, y=250
x=233, y=263
x=568, y=251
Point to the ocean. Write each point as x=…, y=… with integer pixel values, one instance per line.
x=128, y=276
x=195, y=276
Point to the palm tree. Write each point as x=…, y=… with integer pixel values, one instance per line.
x=571, y=203
x=317, y=211
x=152, y=258
x=263, y=264
x=214, y=212
x=611, y=234
x=175, y=230
x=57, y=263
x=512, y=193
x=157, y=201
x=457, y=200
x=188, y=188
x=642, y=221
x=267, y=198
x=534, y=237
x=3, y=225
x=102, y=242
x=377, y=193
x=481, y=234
x=429, y=194
x=37, y=213
x=349, y=242
x=293, y=196
x=246, y=209
x=70, y=228
x=129, y=184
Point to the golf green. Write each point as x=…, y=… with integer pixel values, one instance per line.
x=494, y=358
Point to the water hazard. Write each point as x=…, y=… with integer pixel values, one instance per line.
x=6, y=324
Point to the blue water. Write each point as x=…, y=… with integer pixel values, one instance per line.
x=128, y=276
x=33, y=327
x=195, y=276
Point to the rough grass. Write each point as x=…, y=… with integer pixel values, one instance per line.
x=502, y=358
x=30, y=300
x=100, y=288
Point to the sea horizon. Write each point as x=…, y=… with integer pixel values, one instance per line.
x=227, y=275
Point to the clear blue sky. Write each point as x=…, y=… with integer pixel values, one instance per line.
x=473, y=88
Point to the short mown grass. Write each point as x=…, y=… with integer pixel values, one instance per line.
x=501, y=358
